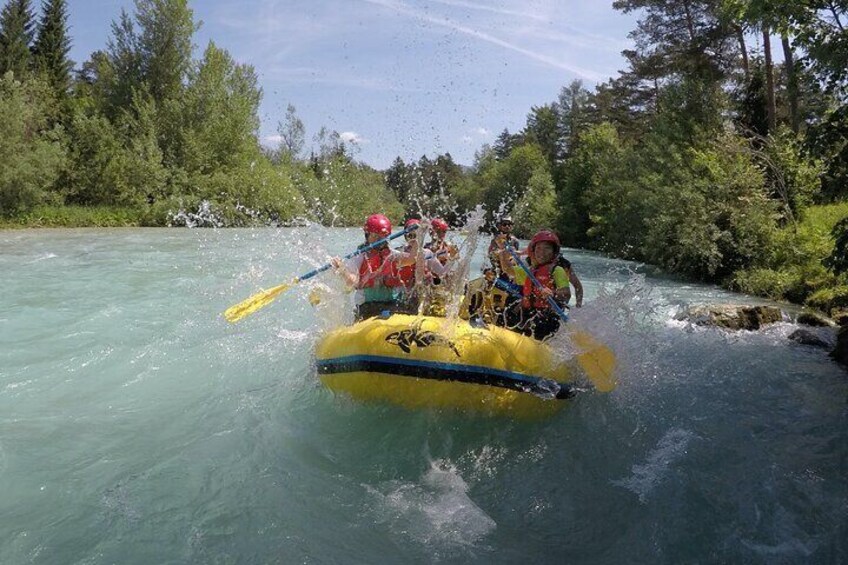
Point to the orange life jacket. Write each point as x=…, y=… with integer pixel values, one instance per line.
x=376, y=270
x=545, y=275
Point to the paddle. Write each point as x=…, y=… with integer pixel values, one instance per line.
x=597, y=360
x=261, y=299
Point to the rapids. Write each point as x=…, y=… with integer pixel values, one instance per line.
x=137, y=426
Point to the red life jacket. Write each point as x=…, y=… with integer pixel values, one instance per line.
x=376, y=270
x=545, y=275
x=406, y=274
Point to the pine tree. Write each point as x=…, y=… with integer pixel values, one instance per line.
x=52, y=47
x=16, y=33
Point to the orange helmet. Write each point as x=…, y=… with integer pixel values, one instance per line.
x=544, y=236
x=379, y=224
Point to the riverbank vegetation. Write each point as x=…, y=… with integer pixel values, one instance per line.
x=705, y=156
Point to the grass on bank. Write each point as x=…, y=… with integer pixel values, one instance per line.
x=76, y=217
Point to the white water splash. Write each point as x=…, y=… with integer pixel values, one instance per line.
x=437, y=513
x=646, y=477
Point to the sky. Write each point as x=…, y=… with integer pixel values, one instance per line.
x=399, y=78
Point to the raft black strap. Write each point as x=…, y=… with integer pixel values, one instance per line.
x=542, y=387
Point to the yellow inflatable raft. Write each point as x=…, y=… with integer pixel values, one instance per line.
x=420, y=361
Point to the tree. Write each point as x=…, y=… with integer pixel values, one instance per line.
x=399, y=180
x=16, y=34
x=838, y=260
x=537, y=209
x=164, y=44
x=214, y=124
x=504, y=143
x=52, y=46
x=32, y=151
x=542, y=128
x=292, y=135
x=681, y=37
x=123, y=76
x=153, y=52
x=573, y=115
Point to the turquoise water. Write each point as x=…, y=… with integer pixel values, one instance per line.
x=136, y=426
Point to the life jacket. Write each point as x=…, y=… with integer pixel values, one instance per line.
x=376, y=270
x=545, y=275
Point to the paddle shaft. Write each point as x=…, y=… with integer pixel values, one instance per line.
x=560, y=312
x=359, y=251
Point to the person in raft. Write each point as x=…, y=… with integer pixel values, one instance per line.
x=435, y=297
x=444, y=251
x=374, y=274
x=533, y=315
x=503, y=238
x=431, y=267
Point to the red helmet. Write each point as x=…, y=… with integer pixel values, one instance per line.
x=439, y=225
x=379, y=224
x=411, y=222
x=542, y=236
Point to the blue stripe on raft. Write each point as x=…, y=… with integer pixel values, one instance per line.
x=436, y=370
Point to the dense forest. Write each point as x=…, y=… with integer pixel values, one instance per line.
x=720, y=152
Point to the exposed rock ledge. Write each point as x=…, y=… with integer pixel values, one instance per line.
x=732, y=316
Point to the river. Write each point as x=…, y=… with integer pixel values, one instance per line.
x=137, y=426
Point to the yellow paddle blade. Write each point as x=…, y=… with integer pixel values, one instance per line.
x=246, y=307
x=596, y=359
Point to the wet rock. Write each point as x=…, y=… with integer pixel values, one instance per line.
x=840, y=353
x=814, y=319
x=806, y=337
x=732, y=316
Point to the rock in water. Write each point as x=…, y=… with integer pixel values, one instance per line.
x=806, y=337
x=808, y=318
x=733, y=317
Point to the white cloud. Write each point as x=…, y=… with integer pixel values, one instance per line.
x=466, y=139
x=482, y=132
x=272, y=139
x=352, y=137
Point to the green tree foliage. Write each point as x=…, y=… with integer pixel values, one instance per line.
x=51, y=48
x=506, y=181
x=164, y=45
x=543, y=129
x=347, y=193
x=838, y=260
x=721, y=219
x=292, y=134
x=17, y=28
x=33, y=153
x=116, y=165
x=537, y=209
x=573, y=106
x=679, y=37
x=399, y=179
x=601, y=187
x=505, y=143
x=214, y=124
